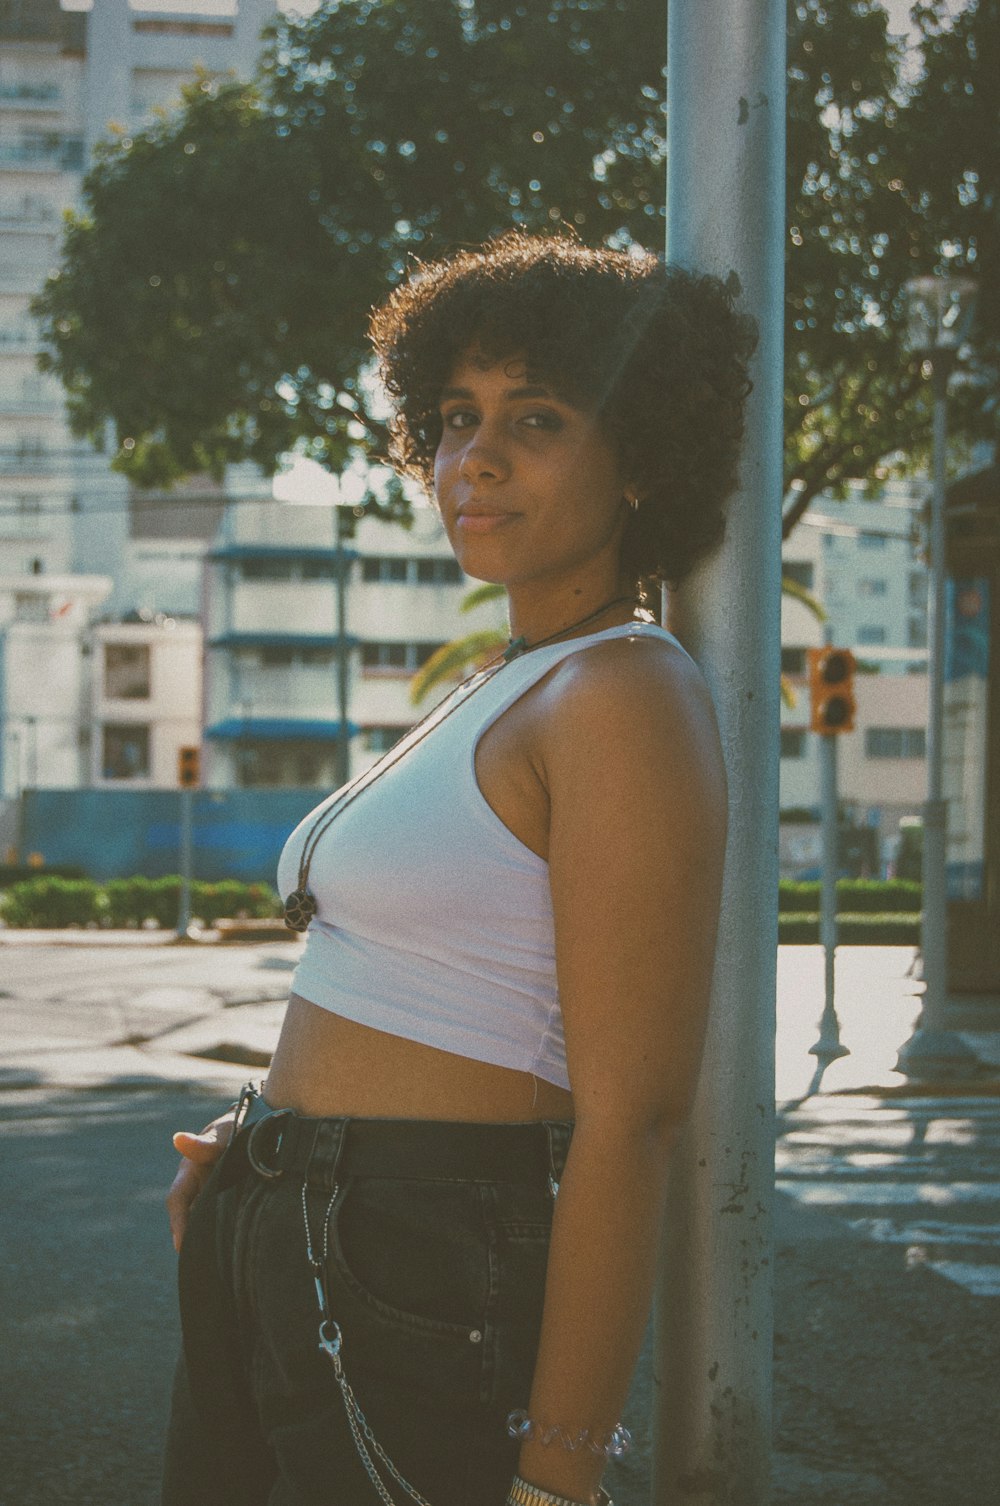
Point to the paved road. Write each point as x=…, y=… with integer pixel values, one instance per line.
x=887, y=1235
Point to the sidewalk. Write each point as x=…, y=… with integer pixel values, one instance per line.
x=877, y=1001
x=883, y=1367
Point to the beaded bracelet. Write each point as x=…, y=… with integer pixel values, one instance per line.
x=616, y=1443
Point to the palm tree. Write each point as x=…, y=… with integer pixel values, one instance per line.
x=452, y=660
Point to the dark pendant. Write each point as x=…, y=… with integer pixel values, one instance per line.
x=300, y=907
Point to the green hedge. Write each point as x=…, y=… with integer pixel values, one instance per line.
x=47, y=903
x=854, y=896
x=19, y=873
x=891, y=929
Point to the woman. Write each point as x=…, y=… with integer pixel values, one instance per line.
x=511, y=932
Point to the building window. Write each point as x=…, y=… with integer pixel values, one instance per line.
x=895, y=742
x=871, y=541
x=30, y=606
x=395, y=657
x=275, y=658
x=918, y=589
x=319, y=570
x=266, y=570
x=873, y=586
x=126, y=671
x=384, y=571
x=316, y=658
x=793, y=742
x=126, y=751
x=871, y=633
x=439, y=573
x=916, y=632
x=383, y=655
x=801, y=572
x=793, y=661
x=381, y=739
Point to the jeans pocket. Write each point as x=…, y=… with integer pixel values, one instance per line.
x=415, y=1252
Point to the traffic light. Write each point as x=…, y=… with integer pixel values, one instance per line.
x=187, y=767
x=831, y=690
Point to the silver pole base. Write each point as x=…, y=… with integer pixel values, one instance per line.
x=938, y=1053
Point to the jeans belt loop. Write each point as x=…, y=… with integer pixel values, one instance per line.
x=327, y=1147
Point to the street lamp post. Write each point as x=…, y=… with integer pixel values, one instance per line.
x=939, y=310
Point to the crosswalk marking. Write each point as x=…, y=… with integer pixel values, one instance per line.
x=899, y=1160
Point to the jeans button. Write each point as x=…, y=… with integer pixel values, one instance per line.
x=475, y=1337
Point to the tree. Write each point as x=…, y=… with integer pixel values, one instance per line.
x=213, y=293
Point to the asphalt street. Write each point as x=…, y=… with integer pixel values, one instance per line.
x=887, y=1229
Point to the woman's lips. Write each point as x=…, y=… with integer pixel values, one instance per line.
x=484, y=522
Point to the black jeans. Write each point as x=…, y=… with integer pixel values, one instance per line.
x=433, y=1238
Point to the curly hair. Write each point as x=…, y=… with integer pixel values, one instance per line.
x=659, y=352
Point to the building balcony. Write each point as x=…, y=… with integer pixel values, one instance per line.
x=60, y=156
x=280, y=640
x=280, y=729
x=34, y=97
x=26, y=462
x=15, y=404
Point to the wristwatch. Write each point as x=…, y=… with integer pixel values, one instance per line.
x=523, y=1494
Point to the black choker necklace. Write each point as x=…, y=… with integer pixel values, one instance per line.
x=300, y=906
x=518, y=646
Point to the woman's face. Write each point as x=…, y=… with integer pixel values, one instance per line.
x=529, y=487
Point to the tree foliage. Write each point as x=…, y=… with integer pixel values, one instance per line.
x=214, y=288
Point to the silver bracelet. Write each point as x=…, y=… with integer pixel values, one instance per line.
x=521, y=1426
x=523, y=1494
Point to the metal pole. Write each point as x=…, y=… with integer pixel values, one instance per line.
x=828, y=1047
x=184, y=906
x=713, y=1313
x=343, y=761
x=933, y=1050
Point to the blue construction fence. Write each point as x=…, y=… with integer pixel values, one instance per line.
x=237, y=834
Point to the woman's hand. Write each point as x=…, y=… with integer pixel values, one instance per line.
x=199, y=1154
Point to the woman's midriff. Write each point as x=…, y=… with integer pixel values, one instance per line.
x=325, y=1064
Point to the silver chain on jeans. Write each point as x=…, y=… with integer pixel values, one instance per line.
x=330, y=1342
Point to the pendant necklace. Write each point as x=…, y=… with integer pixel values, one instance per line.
x=300, y=906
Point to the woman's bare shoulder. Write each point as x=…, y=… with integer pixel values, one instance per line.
x=631, y=688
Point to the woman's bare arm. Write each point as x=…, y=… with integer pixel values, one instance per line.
x=630, y=755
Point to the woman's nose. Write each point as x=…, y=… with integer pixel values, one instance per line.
x=482, y=460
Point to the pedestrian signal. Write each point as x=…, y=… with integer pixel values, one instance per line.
x=831, y=690
x=187, y=767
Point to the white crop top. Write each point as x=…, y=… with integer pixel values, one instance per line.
x=434, y=921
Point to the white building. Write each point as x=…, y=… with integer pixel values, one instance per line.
x=145, y=702
x=45, y=679
x=65, y=77
x=860, y=559
x=293, y=663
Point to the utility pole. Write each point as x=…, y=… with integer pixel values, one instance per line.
x=713, y=1315
x=188, y=775
x=832, y=707
x=343, y=742
x=939, y=313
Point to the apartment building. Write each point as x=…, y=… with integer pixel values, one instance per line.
x=312, y=641
x=144, y=703
x=861, y=559
x=65, y=77
x=44, y=679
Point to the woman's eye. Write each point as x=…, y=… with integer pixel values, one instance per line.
x=459, y=418
x=541, y=421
